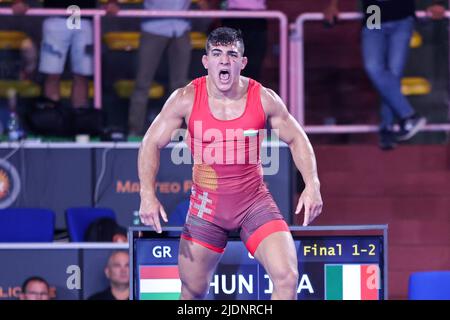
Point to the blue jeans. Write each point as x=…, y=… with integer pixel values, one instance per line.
x=385, y=52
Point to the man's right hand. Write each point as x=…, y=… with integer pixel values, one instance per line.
x=331, y=13
x=19, y=7
x=149, y=213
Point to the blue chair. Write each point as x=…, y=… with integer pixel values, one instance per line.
x=78, y=220
x=429, y=285
x=26, y=225
x=178, y=216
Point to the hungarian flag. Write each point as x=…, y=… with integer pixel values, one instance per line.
x=159, y=283
x=352, y=282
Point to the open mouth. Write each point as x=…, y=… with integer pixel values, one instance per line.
x=224, y=75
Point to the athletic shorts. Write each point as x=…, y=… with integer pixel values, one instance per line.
x=58, y=39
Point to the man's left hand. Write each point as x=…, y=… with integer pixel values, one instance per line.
x=436, y=11
x=312, y=201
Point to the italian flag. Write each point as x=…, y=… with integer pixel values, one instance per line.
x=352, y=282
x=159, y=283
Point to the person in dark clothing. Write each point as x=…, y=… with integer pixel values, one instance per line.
x=117, y=271
x=385, y=50
x=105, y=230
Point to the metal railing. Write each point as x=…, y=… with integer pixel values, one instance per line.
x=297, y=79
x=97, y=14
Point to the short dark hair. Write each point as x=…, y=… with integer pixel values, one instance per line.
x=114, y=252
x=103, y=230
x=225, y=36
x=34, y=278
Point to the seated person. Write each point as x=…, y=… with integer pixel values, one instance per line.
x=105, y=230
x=35, y=288
x=117, y=271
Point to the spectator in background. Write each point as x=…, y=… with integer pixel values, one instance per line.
x=57, y=40
x=117, y=271
x=29, y=56
x=158, y=35
x=35, y=288
x=105, y=230
x=385, y=52
x=255, y=30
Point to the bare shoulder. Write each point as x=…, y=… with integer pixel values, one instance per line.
x=181, y=100
x=271, y=101
x=245, y=81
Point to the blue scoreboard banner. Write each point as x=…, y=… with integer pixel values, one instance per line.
x=350, y=265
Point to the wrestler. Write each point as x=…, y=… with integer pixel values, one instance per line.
x=228, y=191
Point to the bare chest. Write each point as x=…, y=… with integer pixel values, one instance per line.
x=227, y=110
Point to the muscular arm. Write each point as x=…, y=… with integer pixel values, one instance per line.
x=292, y=133
x=158, y=136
